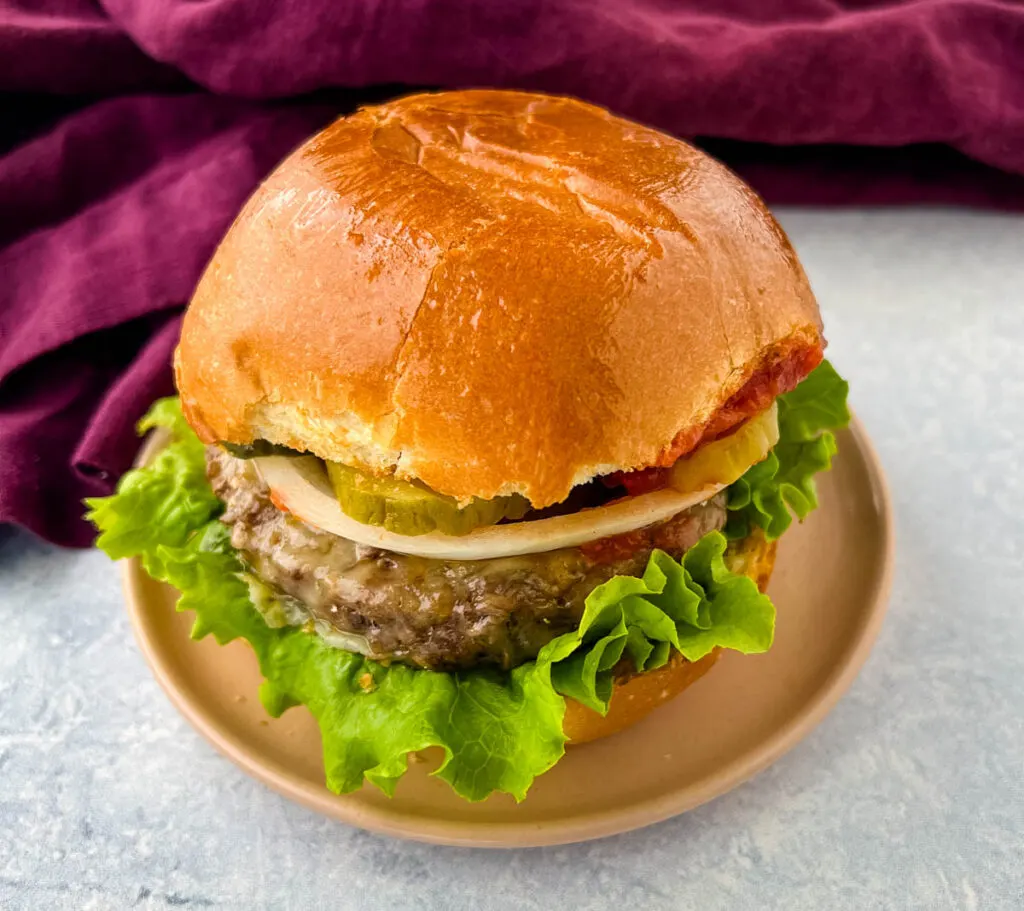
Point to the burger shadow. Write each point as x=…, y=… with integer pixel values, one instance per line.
x=809, y=779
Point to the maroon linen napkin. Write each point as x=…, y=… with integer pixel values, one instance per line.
x=108, y=216
x=107, y=223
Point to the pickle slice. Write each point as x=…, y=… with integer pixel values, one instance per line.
x=727, y=460
x=412, y=508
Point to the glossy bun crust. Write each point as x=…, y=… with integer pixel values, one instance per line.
x=493, y=292
x=637, y=695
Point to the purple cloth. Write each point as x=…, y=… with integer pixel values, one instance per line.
x=108, y=216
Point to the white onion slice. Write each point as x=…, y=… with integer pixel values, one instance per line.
x=300, y=486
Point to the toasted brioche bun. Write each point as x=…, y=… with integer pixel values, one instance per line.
x=492, y=292
x=636, y=695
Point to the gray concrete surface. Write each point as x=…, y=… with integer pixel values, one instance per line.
x=910, y=795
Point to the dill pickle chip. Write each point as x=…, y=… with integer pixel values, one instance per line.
x=727, y=459
x=412, y=508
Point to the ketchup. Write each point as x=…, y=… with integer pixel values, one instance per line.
x=781, y=374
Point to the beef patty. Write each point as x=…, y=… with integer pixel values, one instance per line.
x=441, y=614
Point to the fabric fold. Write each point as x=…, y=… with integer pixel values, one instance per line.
x=150, y=122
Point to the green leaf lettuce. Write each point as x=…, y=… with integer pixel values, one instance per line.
x=498, y=730
x=784, y=482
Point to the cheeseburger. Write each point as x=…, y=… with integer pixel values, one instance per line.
x=492, y=407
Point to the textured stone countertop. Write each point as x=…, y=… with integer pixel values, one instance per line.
x=909, y=795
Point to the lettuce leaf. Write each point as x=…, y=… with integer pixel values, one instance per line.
x=497, y=730
x=693, y=607
x=768, y=494
x=163, y=504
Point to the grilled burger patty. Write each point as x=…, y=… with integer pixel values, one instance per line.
x=442, y=614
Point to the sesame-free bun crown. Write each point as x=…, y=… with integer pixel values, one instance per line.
x=492, y=292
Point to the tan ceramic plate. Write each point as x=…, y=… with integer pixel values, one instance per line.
x=830, y=587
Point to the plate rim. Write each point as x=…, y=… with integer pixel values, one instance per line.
x=385, y=820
